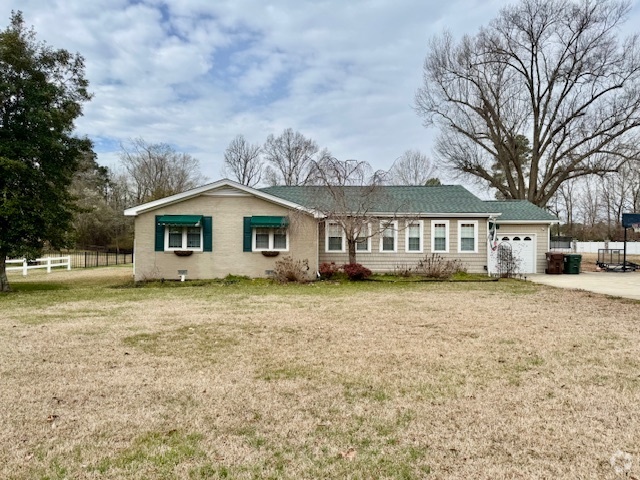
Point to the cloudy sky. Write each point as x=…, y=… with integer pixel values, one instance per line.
x=196, y=73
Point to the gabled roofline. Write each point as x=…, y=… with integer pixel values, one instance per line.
x=549, y=222
x=225, y=182
x=434, y=215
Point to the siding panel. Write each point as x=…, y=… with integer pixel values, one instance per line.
x=388, y=262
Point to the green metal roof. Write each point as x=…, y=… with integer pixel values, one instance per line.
x=440, y=199
x=514, y=210
x=269, y=222
x=182, y=220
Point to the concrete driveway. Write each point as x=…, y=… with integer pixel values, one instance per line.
x=625, y=285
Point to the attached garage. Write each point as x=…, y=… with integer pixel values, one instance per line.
x=522, y=235
x=523, y=251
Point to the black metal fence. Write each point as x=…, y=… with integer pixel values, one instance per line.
x=94, y=258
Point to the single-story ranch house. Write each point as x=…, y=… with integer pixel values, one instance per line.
x=227, y=228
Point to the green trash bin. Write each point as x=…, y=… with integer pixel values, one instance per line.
x=572, y=264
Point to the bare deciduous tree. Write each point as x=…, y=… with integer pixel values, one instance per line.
x=156, y=170
x=411, y=168
x=350, y=195
x=550, y=70
x=292, y=158
x=242, y=161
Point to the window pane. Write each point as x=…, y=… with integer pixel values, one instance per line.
x=362, y=244
x=335, y=230
x=467, y=244
x=262, y=238
x=279, y=240
x=467, y=230
x=175, y=237
x=335, y=243
x=193, y=237
x=334, y=235
x=388, y=238
x=414, y=237
x=467, y=237
x=440, y=237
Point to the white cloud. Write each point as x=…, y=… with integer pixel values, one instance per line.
x=195, y=73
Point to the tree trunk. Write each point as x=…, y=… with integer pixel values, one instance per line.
x=351, y=247
x=4, y=281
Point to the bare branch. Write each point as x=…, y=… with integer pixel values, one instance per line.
x=291, y=157
x=242, y=161
x=156, y=170
x=550, y=71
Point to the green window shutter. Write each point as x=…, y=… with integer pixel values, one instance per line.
x=159, y=235
x=207, y=234
x=246, y=239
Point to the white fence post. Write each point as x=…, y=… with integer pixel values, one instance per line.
x=48, y=262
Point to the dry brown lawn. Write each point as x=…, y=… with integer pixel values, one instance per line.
x=374, y=380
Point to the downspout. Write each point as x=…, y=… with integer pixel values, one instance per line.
x=317, y=248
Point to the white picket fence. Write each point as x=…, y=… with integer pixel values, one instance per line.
x=633, y=248
x=46, y=262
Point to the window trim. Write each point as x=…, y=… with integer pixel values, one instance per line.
x=270, y=248
x=475, y=235
x=420, y=224
x=446, y=235
x=327, y=223
x=383, y=226
x=184, y=247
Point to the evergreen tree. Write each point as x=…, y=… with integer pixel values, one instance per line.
x=41, y=94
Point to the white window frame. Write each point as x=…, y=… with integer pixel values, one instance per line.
x=475, y=235
x=326, y=238
x=368, y=240
x=420, y=224
x=184, y=239
x=383, y=226
x=272, y=232
x=446, y=235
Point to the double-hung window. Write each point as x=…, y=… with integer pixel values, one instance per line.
x=468, y=236
x=183, y=232
x=389, y=236
x=270, y=239
x=414, y=236
x=440, y=236
x=264, y=233
x=183, y=238
x=363, y=239
x=334, y=237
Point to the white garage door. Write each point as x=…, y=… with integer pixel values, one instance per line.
x=524, y=250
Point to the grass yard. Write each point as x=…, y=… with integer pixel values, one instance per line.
x=371, y=380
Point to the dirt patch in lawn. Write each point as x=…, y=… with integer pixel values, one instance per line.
x=492, y=380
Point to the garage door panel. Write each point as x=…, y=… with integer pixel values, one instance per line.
x=523, y=248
